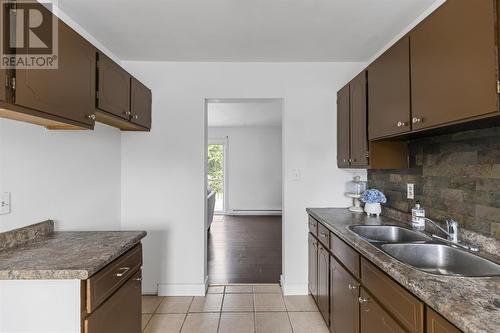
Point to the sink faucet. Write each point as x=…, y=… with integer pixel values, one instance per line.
x=451, y=226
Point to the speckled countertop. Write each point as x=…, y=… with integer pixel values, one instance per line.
x=64, y=255
x=471, y=304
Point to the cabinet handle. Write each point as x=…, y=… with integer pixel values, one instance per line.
x=136, y=116
x=127, y=113
x=417, y=120
x=402, y=124
x=323, y=234
x=351, y=287
x=363, y=300
x=344, y=160
x=91, y=116
x=123, y=271
x=138, y=279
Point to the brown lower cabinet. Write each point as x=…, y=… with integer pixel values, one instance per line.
x=313, y=266
x=374, y=319
x=437, y=324
x=323, y=298
x=355, y=296
x=344, y=294
x=111, y=298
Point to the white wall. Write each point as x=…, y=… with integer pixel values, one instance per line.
x=254, y=173
x=72, y=177
x=163, y=172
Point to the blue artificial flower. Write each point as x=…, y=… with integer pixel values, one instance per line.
x=373, y=196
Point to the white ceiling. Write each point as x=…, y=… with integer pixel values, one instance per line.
x=244, y=113
x=244, y=30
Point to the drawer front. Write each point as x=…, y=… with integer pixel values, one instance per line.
x=345, y=254
x=110, y=278
x=313, y=226
x=121, y=313
x=400, y=303
x=324, y=235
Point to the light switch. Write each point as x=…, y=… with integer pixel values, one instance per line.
x=4, y=203
x=295, y=175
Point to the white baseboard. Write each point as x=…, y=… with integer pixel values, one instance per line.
x=254, y=212
x=183, y=289
x=294, y=289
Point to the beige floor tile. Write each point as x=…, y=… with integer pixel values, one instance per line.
x=267, y=289
x=145, y=320
x=175, y=304
x=307, y=322
x=269, y=302
x=208, y=303
x=215, y=290
x=150, y=303
x=165, y=323
x=272, y=322
x=201, y=323
x=300, y=303
x=238, y=302
x=237, y=322
x=242, y=289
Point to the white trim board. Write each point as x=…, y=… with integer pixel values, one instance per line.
x=183, y=289
x=237, y=212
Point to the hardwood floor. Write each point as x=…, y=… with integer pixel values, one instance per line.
x=244, y=249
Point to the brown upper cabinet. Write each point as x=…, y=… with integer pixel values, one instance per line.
x=353, y=148
x=454, y=64
x=140, y=104
x=352, y=141
x=389, y=92
x=67, y=92
x=343, y=128
x=71, y=96
x=122, y=101
x=113, y=88
x=358, y=132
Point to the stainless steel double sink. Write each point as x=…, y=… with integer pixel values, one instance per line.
x=424, y=253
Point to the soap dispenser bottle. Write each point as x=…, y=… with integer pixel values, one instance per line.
x=418, y=217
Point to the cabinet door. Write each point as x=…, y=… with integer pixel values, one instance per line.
x=121, y=313
x=113, y=88
x=453, y=64
x=343, y=127
x=389, y=92
x=358, y=133
x=437, y=324
x=140, y=104
x=344, y=306
x=374, y=319
x=3, y=88
x=313, y=267
x=323, y=282
x=68, y=91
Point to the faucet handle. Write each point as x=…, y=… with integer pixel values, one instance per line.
x=452, y=228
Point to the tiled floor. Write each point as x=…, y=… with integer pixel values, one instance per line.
x=235, y=309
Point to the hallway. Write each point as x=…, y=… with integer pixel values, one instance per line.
x=244, y=249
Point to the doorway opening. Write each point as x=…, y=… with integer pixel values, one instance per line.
x=244, y=190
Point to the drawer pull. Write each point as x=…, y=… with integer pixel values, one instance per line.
x=351, y=287
x=323, y=234
x=123, y=271
x=138, y=279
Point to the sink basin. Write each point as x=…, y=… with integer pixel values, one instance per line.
x=387, y=234
x=442, y=260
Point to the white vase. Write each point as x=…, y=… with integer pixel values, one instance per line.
x=373, y=209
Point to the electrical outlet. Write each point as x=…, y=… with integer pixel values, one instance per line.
x=410, y=191
x=4, y=203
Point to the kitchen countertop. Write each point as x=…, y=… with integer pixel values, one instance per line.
x=471, y=304
x=63, y=255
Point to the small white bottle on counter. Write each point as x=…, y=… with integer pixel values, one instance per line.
x=418, y=217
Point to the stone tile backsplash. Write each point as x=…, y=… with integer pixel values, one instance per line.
x=455, y=175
